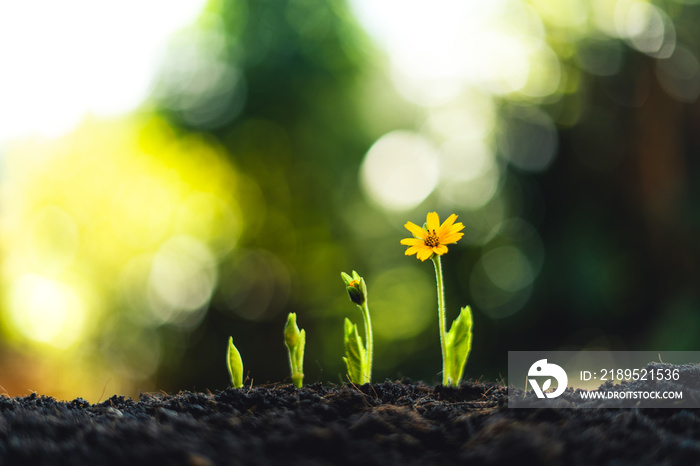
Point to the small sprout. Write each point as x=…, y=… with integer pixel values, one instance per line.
x=429, y=242
x=295, y=341
x=358, y=356
x=234, y=364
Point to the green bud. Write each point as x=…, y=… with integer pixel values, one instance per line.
x=356, y=287
x=356, y=295
x=234, y=364
x=291, y=331
x=295, y=340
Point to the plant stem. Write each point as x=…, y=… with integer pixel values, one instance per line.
x=441, y=314
x=368, y=338
x=297, y=377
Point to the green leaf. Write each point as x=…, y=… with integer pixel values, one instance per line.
x=355, y=355
x=458, y=344
x=234, y=364
x=299, y=354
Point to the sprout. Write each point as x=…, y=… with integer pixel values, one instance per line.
x=358, y=357
x=295, y=340
x=234, y=364
x=429, y=242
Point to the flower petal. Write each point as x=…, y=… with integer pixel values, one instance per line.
x=433, y=221
x=412, y=250
x=417, y=231
x=446, y=225
x=456, y=227
x=451, y=238
x=424, y=253
x=412, y=242
x=440, y=249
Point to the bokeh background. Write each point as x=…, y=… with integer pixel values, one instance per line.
x=172, y=173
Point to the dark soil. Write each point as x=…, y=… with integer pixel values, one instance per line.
x=387, y=423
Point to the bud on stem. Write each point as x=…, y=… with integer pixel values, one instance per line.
x=358, y=356
x=356, y=287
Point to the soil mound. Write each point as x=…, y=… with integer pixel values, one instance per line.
x=387, y=423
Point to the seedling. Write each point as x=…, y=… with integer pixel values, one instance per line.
x=430, y=242
x=234, y=364
x=358, y=356
x=295, y=340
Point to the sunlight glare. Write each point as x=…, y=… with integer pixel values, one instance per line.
x=63, y=60
x=182, y=279
x=400, y=170
x=649, y=30
x=46, y=311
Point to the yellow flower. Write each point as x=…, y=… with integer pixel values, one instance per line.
x=433, y=238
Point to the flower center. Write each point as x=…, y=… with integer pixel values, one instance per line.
x=432, y=241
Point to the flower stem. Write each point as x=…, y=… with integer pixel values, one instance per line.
x=441, y=314
x=368, y=338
